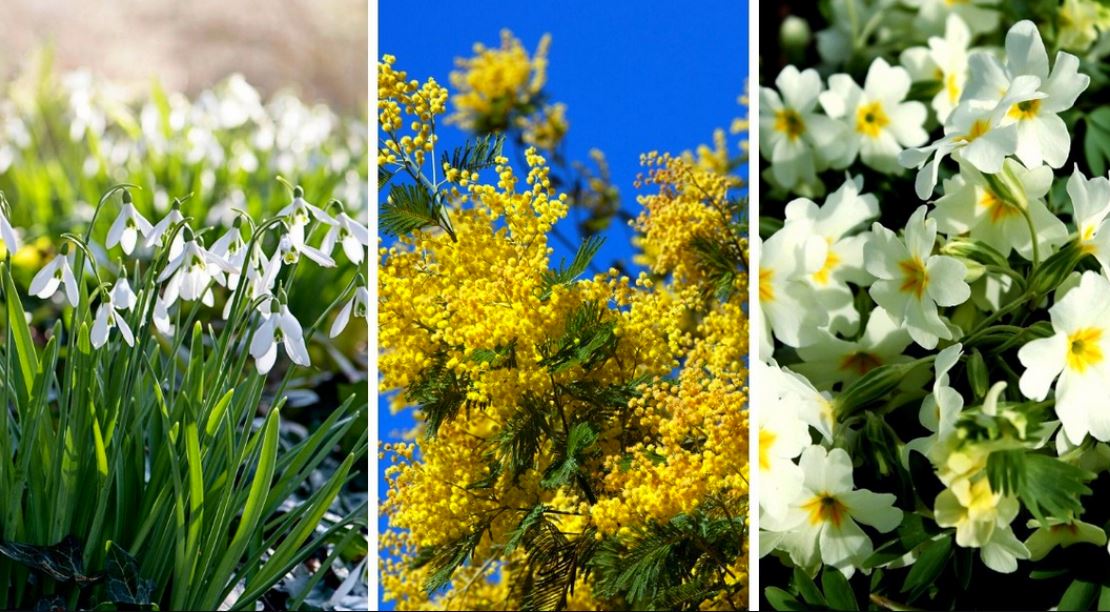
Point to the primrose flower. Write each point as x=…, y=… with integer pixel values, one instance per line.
x=782, y=437
x=913, y=282
x=352, y=235
x=941, y=408
x=784, y=294
x=357, y=305
x=832, y=360
x=971, y=205
x=797, y=141
x=299, y=212
x=174, y=217
x=1076, y=354
x=981, y=16
x=1042, y=135
x=982, y=520
x=191, y=273
x=1079, y=21
x=821, y=524
x=944, y=60
x=57, y=273
x=128, y=226
x=880, y=123
x=108, y=315
x=844, y=212
x=813, y=407
x=279, y=327
x=1062, y=533
x=1090, y=199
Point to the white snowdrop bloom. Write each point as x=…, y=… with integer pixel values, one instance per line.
x=356, y=306
x=981, y=16
x=172, y=218
x=291, y=251
x=970, y=206
x=845, y=211
x=57, y=273
x=191, y=272
x=786, y=298
x=832, y=360
x=299, y=213
x=261, y=276
x=944, y=60
x=231, y=248
x=1042, y=135
x=282, y=328
x=797, y=141
x=352, y=235
x=108, y=315
x=913, y=281
x=7, y=232
x=161, y=316
x=1090, y=199
x=880, y=123
x=1076, y=354
x=792, y=390
x=821, y=524
x=782, y=438
x=982, y=520
x=128, y=226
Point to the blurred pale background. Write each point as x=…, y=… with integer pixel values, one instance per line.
x=316, y=47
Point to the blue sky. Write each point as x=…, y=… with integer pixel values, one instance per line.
x=635, y=77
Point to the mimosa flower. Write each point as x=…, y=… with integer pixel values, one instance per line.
x=57, y=273
x=277, y=328
x=914, y=282
x=821, y=524
x=1076, y=354
x=880, y=122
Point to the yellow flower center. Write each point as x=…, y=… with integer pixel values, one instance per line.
x=978, y=128
x=789, y=122
x=871, y=119
x=861, y=362
x=1025, y=110
x=832, y=260
x=914, y=277
x=824, y=508
x=766, y=291
x=998, y=208
x=1084, y=349
x=952, y=87
x=766, y=441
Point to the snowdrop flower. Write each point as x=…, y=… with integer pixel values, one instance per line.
x=7, y=232
x=352, y=235
x=58, y=272
x=880, y=123
x=944, y=60
x=981, y=16
x=982, y=520
x=782, y=437
x=971, y=206
x=836, y=222
x=1042, y=135
x=831, y=360
x=161, y=317
x=299, y=212
x=797, y=141
x=786, y=299
x=357, y=305
x=821, y=524
x=261, y=276
x=291, y=252
x=191, y=273
x=128, y=226
x=108, y=316
x=231, y=248
x=277, y=328
x=913, y=281
x=172, y=218
x=1076, y=354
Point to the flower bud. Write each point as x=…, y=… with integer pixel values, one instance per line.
x=874, y=385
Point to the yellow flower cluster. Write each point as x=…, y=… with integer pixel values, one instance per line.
x=480, y=311
x=495, y=82
x=398, y=97
x=547, y=128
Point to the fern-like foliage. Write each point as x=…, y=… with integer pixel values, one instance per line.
x=587, y=339
x=564, y=274
x=477, y=154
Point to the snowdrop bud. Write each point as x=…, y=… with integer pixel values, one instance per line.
x=127, y=197
x=298, y=192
